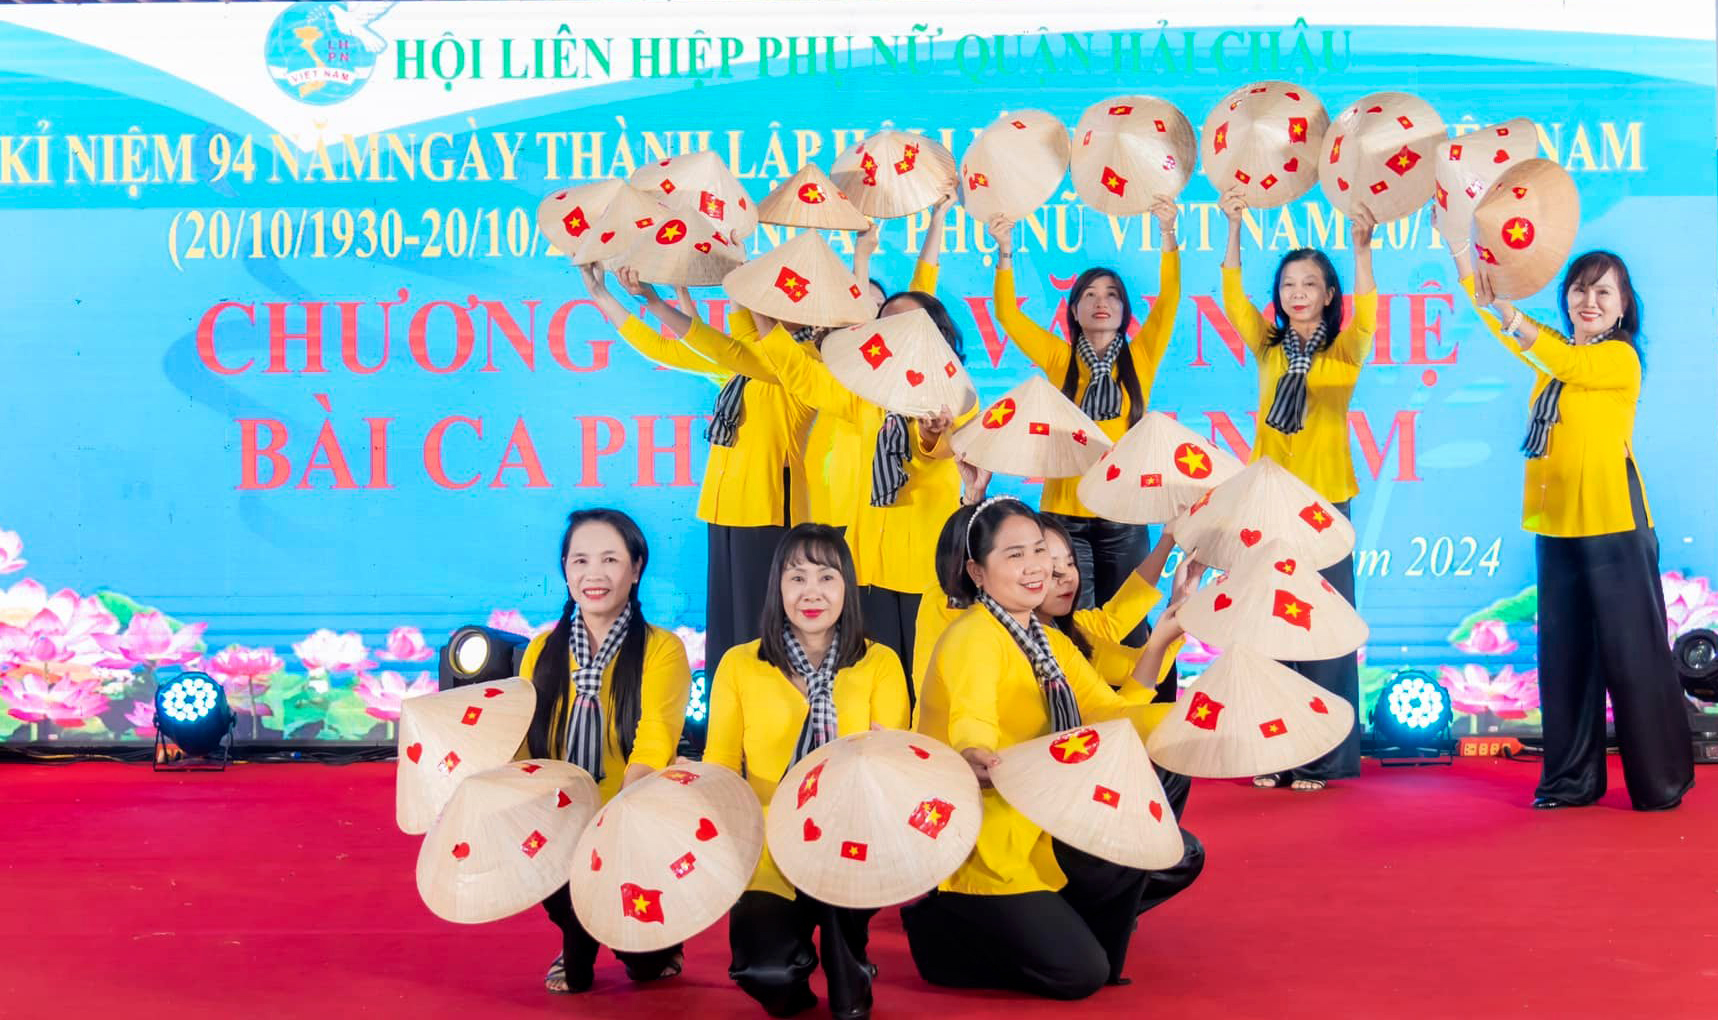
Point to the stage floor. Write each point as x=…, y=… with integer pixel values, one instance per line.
x=285, y=891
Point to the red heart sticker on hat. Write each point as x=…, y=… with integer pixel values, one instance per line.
x=1293, y=95
x=596, y=861
x=1285, y=567
x=1341, y=185
x=606, y=237
x=1501, y=157
x=493, y=692
x=706, y=830
x=1374, y=109
x=1157, y=810
x=561, y=799
x=1249, y=537
x=703, y=247
x=461, y=851
x=415, y=752
x=914, y=378
x=812, y=832
x=921, y=752
x=1112, y=474
x=1317, y=705
x=1221, y=602
x=1292, y=165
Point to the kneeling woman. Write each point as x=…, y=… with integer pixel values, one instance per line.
x=1024, y=911
x=811, y=677
x=611, y=699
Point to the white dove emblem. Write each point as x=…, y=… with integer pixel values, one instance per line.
x=354, y=19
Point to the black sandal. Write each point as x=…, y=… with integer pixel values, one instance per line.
x=1269, y=782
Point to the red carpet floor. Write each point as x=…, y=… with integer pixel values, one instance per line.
x=285, y=891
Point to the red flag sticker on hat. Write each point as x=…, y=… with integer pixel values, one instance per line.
x=876, y=351
x=1220, y=140
x=1203, y=711
x=1038, y=428
x=808, y=785
x=681, y=776
x=1315, y=516
x=852, y=850
x=1106, y=796
x=931, y=816
x=1076, y=747
x=1151, y=481
x=1292, y=611
x=1273, y=728
x=1113, y=182
x=683, y=865
x=641, y=904
x=711, y=206
x=533, y=843
x=792, y=284
x=472, y=714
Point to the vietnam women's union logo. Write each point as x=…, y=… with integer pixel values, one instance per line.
x=323, y=53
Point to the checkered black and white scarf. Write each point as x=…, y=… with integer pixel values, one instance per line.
x=1064, y=710
x=1547, y=412
x=1288, y=406
x=820, y=721
x=1103, y=394
x=889, y=463
x=584, y=737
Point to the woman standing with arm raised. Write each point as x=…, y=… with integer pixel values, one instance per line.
x=1309, y=363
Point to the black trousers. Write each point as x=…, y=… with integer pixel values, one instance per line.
x=1061, y=945
x=1601, y=628
x=892, y=618
x=773, y=955
x=1341, y=677
x=738, y=577
x=1164, y=884
x=579, y=949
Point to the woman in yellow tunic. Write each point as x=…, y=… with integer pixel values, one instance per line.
x=914, y=486
x=811, y=677
x=1024, y=911
x=754, y=485
x=1308, y=365
x=1106, y=369
x=611, y=699
x=1601, y=604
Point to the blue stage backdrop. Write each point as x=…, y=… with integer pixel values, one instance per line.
x=293, y=386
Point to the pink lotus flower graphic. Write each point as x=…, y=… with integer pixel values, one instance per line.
x=142, y=718
x=327, y=652
x=513, y=622
x=406, y=644
x=32, y=696
x=11, y=553
x=149, y=641
x=1195, y=652
x=694, y=642
x=1506, y=695
x=383, y=692
x=1689, y=603
x=62, y=627
x=245, y=673
x=1488, y=637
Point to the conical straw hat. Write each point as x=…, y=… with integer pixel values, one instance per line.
x=1154, y=472
x=1033, y=432
x=681, y=251
x=1264, y=503
x=901, y=363
x=700, y=182
x=801, y=281
x=1265, y=137
x=1248, y=715
x=894, y=173
x=667, y=857
x=1524, y=227
x=1467, y=165
x=1277, y=606
x=1128, y=151
x=1093, y=788
x=874, y=819
x=1382, y=151
x=810, y=199
x=1014, y=166
x=447, y=736
x=565, y=216
x=630, y=214
x=505, y=840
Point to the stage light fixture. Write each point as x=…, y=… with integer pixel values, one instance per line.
x=1696, y=654
x=478, y=655
x=1411, y=720
x=192, y=713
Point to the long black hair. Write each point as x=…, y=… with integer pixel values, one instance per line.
x=822, y=545
x=939, y=315
x=1584, y=272
x=975, y=536
x=553, y=674
x=1332, y=312
x=1065, y=623
x=1125, y=371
